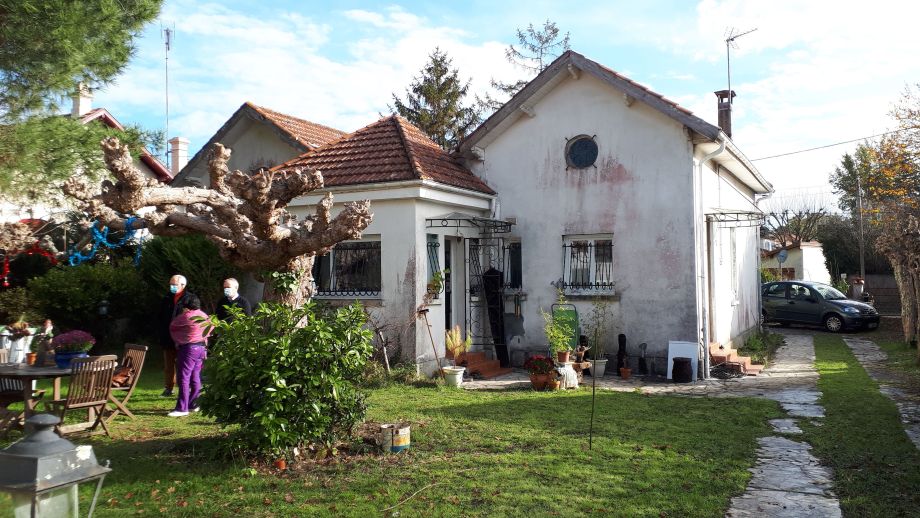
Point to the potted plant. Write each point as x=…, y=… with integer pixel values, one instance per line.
x=560, y=330
x=70, y=345
x=541, y=370
x=455, y=346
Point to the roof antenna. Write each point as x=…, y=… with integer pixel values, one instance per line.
x=731, y=36
x=168, y=33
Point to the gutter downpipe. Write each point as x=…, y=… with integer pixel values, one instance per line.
x=759, y=260
x=705, y=273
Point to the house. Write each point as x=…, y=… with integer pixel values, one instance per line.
x=804, y=261
x=259, y=138
x=584, y=182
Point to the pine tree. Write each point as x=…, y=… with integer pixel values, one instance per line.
x=536, y=49
x=434, y=102
x=48, y=47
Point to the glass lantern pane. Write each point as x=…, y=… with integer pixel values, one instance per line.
x=62, y=502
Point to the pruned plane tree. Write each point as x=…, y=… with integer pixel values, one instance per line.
x=244, y=214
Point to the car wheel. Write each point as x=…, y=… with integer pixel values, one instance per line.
x=833, y=323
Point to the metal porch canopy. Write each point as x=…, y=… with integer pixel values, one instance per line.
x=735, y=218
x=462, y=220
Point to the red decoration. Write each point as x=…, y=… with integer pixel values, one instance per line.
x=32, y=250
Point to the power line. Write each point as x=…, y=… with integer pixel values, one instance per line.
x=829, y=145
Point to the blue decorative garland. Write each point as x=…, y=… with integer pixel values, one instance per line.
x=101, y=237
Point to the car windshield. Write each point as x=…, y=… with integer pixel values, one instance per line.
x=828, y=292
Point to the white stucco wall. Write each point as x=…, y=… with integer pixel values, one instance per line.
x=733, y=282
x=400, y=210
x=813, y=266
x=640, y=191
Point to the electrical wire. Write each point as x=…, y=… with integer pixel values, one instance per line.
x=829, y=145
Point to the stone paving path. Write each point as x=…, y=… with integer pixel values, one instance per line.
x=787, y=481
x=891, y=383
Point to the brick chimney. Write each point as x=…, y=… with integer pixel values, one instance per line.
x=178, y=154
x=82, y=101
x=725, y=110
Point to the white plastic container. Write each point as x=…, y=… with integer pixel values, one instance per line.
x=453, y=376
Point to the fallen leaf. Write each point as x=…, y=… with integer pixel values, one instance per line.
x=128, y=496
x=183, y=503
x=171, y=490
x=267, y=501
x=288, y=498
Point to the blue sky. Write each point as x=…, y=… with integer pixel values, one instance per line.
x=813, y=73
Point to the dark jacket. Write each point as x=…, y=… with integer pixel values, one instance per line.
x=169, y=308
x=240, y=302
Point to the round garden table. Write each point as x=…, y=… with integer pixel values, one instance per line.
x=29, y=373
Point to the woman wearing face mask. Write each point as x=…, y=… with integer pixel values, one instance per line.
x=190, y=334
x=232, y=297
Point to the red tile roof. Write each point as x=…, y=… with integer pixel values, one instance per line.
x=310, y=134
x=101, y=114
x=389, y=150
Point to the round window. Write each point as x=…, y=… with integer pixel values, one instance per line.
x=581, y=152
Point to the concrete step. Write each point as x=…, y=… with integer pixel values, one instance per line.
x=753, y=369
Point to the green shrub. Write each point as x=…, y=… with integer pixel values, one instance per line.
x=288, y=386
x=71, y=295
x=194, y=257
x=761, y=346
x=16, y=304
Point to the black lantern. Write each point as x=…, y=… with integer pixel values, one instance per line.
x=42, y=472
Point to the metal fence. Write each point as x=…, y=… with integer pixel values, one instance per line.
x=588, y=265
x=350, y=269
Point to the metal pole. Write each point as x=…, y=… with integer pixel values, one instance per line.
x=862, y=250
x=593, y=391
x=434, y=348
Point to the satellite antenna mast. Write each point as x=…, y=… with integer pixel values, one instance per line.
x=732, y=35
x=168, y=34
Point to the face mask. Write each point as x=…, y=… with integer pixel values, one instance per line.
x=228, y=292
x=173, y=289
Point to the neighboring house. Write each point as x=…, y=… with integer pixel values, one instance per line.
x=82, y=109
x=258, y=138
x=804, y=262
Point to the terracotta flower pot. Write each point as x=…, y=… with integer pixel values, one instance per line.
x=562, y=356
x=625, y=372
x=539, y=381
x=553, y=384
x=30, y=358
x=579, y=356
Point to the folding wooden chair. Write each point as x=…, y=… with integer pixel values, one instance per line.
x=132, y=362
x=11, y=392
x=89, y=389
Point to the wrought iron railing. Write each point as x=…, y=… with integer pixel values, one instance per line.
x=587, y=265
x=350, y=269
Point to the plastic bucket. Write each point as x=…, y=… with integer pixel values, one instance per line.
x=394, y=438
x=682, y=371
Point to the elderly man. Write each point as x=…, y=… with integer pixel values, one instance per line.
x=232, y=297
x=170, y=307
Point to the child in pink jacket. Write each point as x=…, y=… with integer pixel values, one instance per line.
x=191, y=339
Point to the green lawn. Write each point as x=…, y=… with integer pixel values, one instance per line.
x=876, y=467
x=512, y=453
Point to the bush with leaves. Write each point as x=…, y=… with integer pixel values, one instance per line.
x=15, y=304
x=288, y=385
x=71, y=295
x=194, y=257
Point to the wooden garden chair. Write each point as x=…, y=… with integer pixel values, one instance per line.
x=11, y=392
x=89, y=389
x=131, y=364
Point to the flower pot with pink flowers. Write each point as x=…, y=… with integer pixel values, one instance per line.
x=70, y=345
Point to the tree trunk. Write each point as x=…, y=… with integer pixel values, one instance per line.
x=906, y=290
x=302, y=266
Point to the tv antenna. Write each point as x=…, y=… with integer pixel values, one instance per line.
x=168, y=33
x=732, y=35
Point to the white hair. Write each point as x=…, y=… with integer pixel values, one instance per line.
x=181, y=279
x=233, y=282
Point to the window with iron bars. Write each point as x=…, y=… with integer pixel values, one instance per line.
x=351, y=268
x=434, y=265
x=587, y=264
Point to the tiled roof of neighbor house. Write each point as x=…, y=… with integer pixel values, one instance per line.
x=389, y=150
x=300, y=134
x=308, y=133
x=161, y=171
